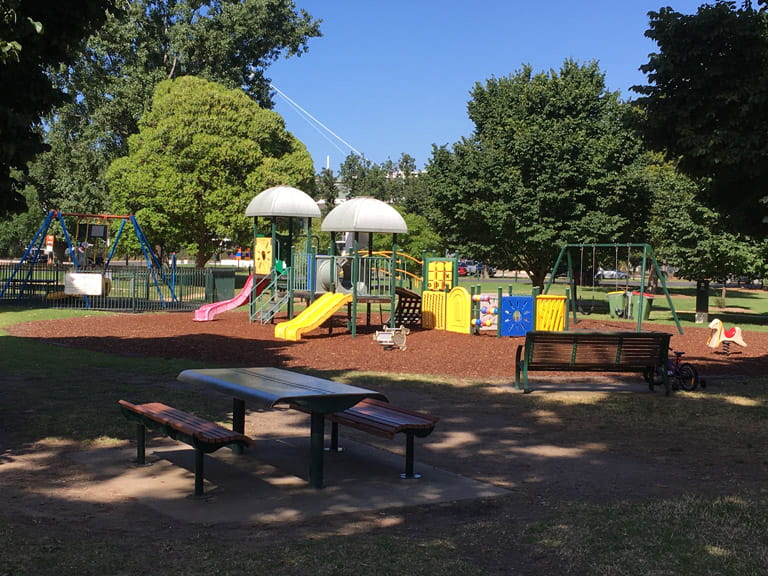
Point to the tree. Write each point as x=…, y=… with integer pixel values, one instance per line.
x=405, y=187
x=231, y=42
x=362, y=177
x=706, y=103
x=394, y=183
x=690, y=235
x=327, y=189
x=421, y=237
x=550, y=162
x=201, y=154
x=35, y=35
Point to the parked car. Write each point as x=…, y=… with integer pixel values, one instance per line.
x=475, y=268
x=610, y=274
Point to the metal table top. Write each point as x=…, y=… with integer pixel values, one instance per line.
x=270, y=386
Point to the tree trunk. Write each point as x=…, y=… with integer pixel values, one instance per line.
x=537, y=278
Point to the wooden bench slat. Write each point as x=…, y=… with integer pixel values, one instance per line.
x=186, y=423
x=385, y=420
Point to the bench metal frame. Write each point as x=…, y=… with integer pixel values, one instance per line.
x=204, y=436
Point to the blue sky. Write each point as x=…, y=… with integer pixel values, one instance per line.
x=393, y=77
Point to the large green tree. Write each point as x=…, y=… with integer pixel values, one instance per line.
x=690, y=235
x=549, y=163
x=201, y=154
x=34, y=36
x=231, y=42
x=706, y=104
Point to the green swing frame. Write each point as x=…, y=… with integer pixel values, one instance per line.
x=648, y=256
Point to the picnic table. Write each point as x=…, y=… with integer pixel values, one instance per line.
x=268, y=387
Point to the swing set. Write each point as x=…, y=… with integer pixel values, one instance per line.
x=97, y=230
x=595, y=270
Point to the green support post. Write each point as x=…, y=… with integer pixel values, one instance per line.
x=317, y=433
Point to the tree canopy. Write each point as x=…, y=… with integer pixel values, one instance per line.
x=201, y=154
x=706, y=104
x=549, y=163
x=231, y=42
x=35, y=35
x=691, y=235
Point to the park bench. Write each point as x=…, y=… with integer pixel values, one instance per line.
x=204, y=436
x=591, y=352
x=384, y=420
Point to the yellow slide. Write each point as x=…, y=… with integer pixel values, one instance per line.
x=314, y=315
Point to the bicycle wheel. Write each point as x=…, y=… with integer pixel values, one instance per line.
x=687, y=377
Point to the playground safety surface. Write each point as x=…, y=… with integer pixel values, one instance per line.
x=232, y=340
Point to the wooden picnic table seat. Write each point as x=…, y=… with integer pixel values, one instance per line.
x=385, y=420
x=591, y=352
x=204, y=436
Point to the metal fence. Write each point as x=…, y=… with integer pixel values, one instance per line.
x=124, y=288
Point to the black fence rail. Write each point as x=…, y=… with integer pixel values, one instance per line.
x=124, y=288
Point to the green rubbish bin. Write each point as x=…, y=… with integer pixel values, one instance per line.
x=219, y=284
x=617, y=304
x=647, y=304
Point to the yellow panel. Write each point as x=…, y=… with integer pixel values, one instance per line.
x=459, y=311
x=433, y=310
x=439, y=275
x=550, y=313
x=262, y=256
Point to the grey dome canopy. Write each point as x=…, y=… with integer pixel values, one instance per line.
x=364, y=215
x=283, y=201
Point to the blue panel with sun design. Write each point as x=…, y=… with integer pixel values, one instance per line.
x=516, y=315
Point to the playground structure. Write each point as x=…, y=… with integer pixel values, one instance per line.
x=88, y=277
x=474, y=312
x=288, y=266
x=326, y=282
x=622, y=303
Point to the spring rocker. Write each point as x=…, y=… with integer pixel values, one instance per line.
x=392, y=337
x=722, y=336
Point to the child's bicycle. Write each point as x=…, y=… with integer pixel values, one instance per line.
x=682, y=375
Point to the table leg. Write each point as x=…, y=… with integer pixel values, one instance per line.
x=238, y=421
x=316, y=441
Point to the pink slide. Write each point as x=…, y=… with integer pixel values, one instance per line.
x=208, y=311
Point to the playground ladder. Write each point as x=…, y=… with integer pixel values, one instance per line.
x=271, y=300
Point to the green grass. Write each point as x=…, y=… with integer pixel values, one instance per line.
x=52, y=392
x=689, y=535
x=25, y=551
